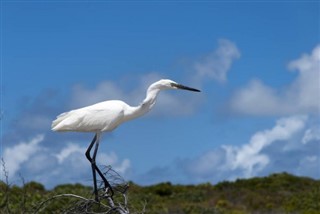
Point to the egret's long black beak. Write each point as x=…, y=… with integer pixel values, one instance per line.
x=179, y=86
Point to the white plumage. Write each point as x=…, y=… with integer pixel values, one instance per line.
x=106, y=116
x=100, y=117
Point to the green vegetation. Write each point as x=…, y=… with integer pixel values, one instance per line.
x=277, y=193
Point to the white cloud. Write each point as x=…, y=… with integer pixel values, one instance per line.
x=300, y=97
x=65, y=165
x=20, y=153
x=74, y=166
x=123, y=167
x=72, y=156
x=256, y=99
x=277, y=149
x=249, y=157
x=311, y=134
x=112, y=159
x=68, y=150
x=217, y=64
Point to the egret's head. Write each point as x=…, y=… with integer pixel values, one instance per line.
x=169, y=84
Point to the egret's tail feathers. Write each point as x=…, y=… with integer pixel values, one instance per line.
x=57, y=124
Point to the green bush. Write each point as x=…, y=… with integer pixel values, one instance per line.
x=277, y=193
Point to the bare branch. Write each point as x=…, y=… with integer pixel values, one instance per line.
x=107, y=204
x=69, y=195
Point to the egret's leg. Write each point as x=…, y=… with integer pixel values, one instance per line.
x=105, y=181
x=93, y=166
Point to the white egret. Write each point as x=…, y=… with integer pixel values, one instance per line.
x=105, y=117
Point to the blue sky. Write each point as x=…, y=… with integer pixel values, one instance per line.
x=257, y=65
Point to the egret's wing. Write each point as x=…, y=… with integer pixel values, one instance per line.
x=103, y=116
x=101, y=119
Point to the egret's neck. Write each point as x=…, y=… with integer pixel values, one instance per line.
x=146, y=104
x=150, y=99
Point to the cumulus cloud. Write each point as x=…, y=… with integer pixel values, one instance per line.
x=67, y=164
x=276, y=149
x=112, y=159
x=70, y=149
x=249, y=158
x=280, y=148
x=18, y=154
x=300, y=97
x=311, y=134
x=216, y=64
